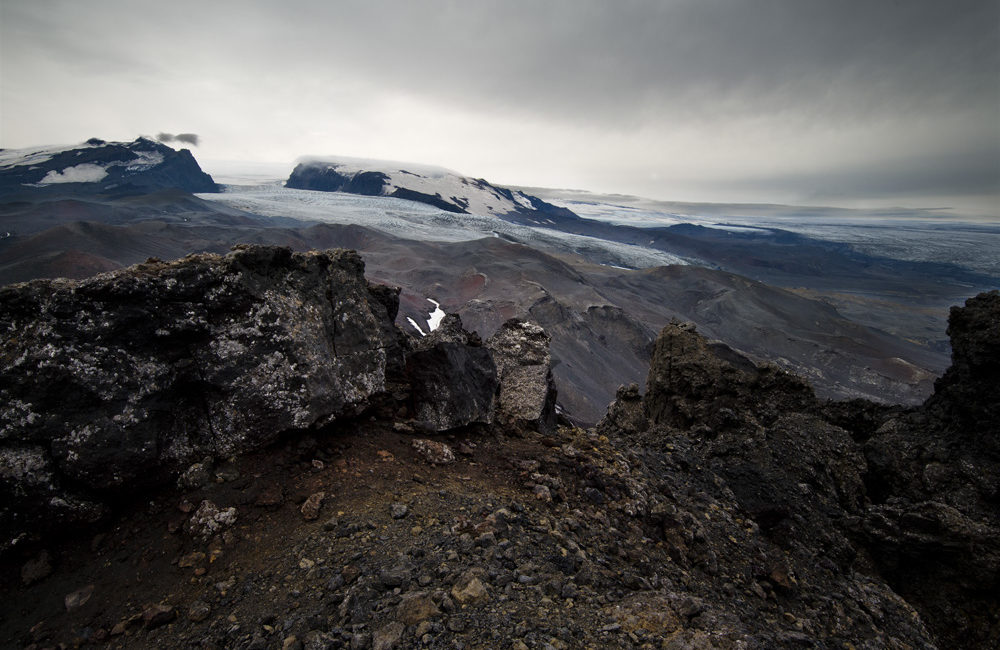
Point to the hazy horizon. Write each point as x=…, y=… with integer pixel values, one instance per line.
x=801, y=102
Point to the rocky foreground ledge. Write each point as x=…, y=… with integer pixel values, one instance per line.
x=119, y=383
x=726, y=507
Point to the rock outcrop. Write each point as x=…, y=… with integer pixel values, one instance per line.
x=137, y=378
x=849, y=494
x=933, y=527
x=453, y=378
x=527, y=397
x=120, y=381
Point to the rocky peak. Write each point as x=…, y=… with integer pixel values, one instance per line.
x=895, y=494
x=693, y=381
x=99, y=167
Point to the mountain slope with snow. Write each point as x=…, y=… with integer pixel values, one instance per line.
x=99, y=167
x=436, y=186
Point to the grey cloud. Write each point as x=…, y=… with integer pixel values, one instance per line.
x=701, y=68
x=189, y=138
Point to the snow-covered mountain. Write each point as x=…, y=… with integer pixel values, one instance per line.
x=96, y=166
x=436, y=186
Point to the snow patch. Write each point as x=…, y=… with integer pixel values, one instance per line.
x=145, y=160
x=35, y=155
x=415, y=326
x=83, y=173
x=436, y=316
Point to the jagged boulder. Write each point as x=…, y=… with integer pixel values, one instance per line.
x=527, y=396
x=453, y=378
x=120, y=381
x=693, y=381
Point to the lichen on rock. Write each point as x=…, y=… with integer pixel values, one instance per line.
x=123, y=380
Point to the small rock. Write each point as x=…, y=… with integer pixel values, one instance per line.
x=306, y=563
x=435, y=453
x=594, y=495
x=350, y=573
x=156, y=615
x=191, y=559
x=194, y=477
x=387, y=637
x=310, y=509
x=208, y=520
x=199, y=611
x=399, y=510
x=542, y=493
x=469, y=589
x=37, y=569
x=79, y=597
x=394, y=577
x=415, y=608
x=291, y=642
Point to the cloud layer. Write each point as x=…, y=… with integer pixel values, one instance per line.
x=686, y=99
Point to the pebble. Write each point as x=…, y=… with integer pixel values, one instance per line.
x=79, y=597
x=399, y=510
x=542, y=493
x=469, y=589
x=388, y=636
x=157, y=615
x=198, y=611
x=435, y=453
x=311, y=507
x=415, y=608
x=36, y=569
x=191, y=559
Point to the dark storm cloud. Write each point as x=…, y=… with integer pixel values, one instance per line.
x=874, y=93
x=616, y=62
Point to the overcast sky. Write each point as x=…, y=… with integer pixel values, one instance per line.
x=842, y=102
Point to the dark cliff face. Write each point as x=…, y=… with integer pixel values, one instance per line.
x=327, y=179
x=908, y=497
x=99, y=167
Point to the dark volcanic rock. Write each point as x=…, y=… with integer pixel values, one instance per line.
x=694, y=381
x=123, y=380
x=908, y=498
x=453, y=379
x=934, y=478
x=103, y=167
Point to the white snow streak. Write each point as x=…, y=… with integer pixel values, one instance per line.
x=83, y=173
